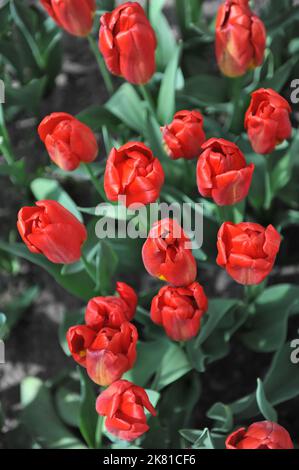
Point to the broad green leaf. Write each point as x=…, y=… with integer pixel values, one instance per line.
x=88, y=414
x=96, y=117
x=149, y=353
x=281, y=384
x=283, y=171
x=106, y=264
x=173, y=365
x=127, y=106
x=218, y=308
x=204, y=441
x=223, y=417
x=44, y=188
x=166, y=99
x=41, y=420
x=78, y=284
x=207, y=89
x=266, y=329
x=68, y=406
x=265, y=407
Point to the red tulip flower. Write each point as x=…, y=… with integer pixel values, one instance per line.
x=123, y=404
x=247, y=251
x=128, y=43
x=68, y=141
x=166, y=254
x=51, y=230
x=261, y=435
x=179, y=310
x=267, y=120
x=75, y=16
x=133, y=171
x=107, y=354
x=240, y=38
x=112, y=311
x=184, y=137
x=222, y=172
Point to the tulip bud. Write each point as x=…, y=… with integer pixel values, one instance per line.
x=185, y=135
x=75, y=16
x=112, y=353
x=247, y=251
x=261, y=435
x=222, y=173
x=123, y=404
x=267, y=120
x=52, y=230
x=112, y=311
x=240, y=38
x=128, y=43
x=134, y=172
x=68, y=141
x=166, y=256
x=179, y=310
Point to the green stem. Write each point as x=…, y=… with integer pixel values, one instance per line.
x=236, y=124
x=88, y=268
x=99, y=432
x=148, y=98
x=93, y=177
x=101, y=63
x=268, y=186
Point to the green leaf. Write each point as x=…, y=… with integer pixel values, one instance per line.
x=207, y=89
x=204, y=441
x=282, y=172
x=3, y=326
x=68, y=406
x=78, y=284
x=149, y=353
x=44, y=188
x=166, y=99
x=281, y=75
x=265, y=407
x=266, y=329
x=223, y=417
x=165, y=37
x=154, y=136
x=41, y=420
x=19, y=305
x=173, y=365
x=106, y=265
x=96, y=117
x=218, y=308
x=127, y=106
x=280, y=384
x=26, y=96
x=88, y=414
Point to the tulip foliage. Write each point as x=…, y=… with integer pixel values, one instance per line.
x=167, y=320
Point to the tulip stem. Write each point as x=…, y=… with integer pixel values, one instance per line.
x=99, y=432
x=148, y=98
x=88, y=268
x=102, y=66
x=93, y=177
x=236, y=124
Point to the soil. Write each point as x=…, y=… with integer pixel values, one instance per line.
x=33, y=347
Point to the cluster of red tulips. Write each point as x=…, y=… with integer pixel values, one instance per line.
x=106, y=344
